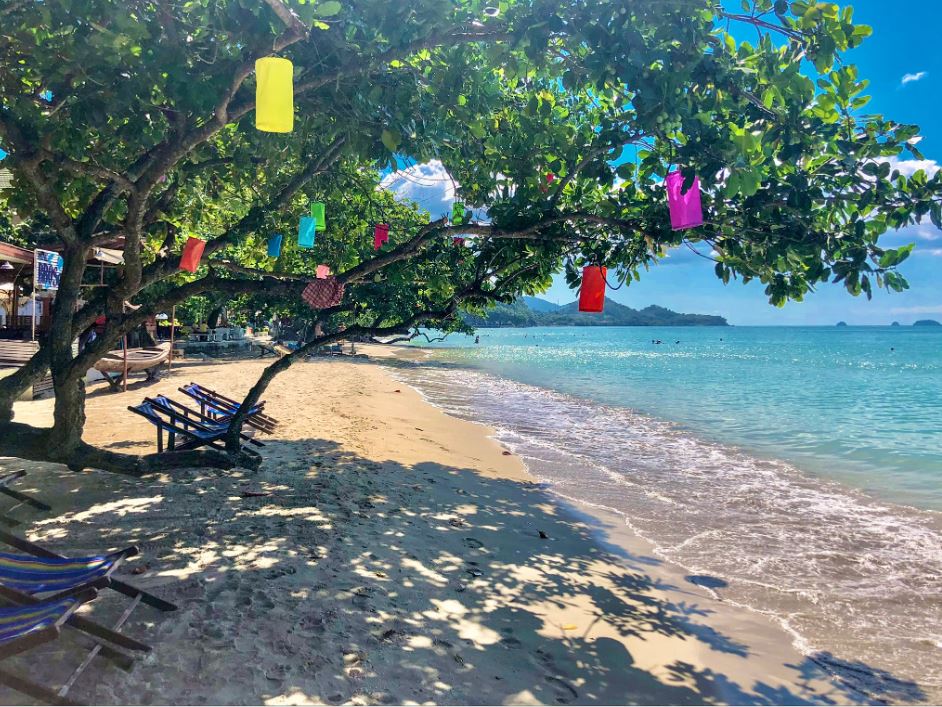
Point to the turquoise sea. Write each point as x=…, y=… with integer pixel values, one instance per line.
x=798, y=469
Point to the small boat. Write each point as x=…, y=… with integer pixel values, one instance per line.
x=142, y=359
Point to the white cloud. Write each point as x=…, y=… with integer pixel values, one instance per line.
x=909, y=167
x=429, y=185
x=919, y=309
x=910, y=78
x=932, y=252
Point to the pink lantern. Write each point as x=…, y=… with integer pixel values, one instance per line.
x=380, y=235
x=686, y=211
x=323, y=272
x=458, y=242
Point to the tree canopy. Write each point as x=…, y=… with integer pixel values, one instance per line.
x=131, y=124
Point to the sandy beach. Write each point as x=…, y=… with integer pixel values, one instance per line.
x=398, y=556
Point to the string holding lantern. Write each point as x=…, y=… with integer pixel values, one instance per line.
x=192, y=254
x=274, y=95
x=274, y=245
x=318, y=214
x=320, y=294
x=380, y=235
x=685, y=208
x=323, y=272
x=306, y=230
x=457, y=213
x=592, y=293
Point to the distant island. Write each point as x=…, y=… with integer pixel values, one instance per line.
x=841, y=324
x=533, y=311
x=927, y=322
x=895, y=324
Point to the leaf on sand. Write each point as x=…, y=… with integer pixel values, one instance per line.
x=570, y=627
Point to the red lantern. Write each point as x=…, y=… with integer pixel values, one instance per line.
x=458, y=242
x=192, y=253
x=380, y=235
x=592, y=294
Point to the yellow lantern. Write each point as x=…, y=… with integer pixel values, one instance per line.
x=274, y=95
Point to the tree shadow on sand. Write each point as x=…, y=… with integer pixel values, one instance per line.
x=350, y=581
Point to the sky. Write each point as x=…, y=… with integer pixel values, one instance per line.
x=904, y=66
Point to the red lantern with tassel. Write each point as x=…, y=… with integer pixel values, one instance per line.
x=592, y=294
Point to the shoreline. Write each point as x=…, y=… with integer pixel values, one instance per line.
x=398, y=558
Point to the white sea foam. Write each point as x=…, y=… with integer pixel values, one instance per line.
x=857, y=582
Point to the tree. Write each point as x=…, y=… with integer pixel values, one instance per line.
x=132, y=123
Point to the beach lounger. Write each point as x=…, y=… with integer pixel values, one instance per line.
x=22, y=498
x=222, y=408
x=25, y=627
x=195, y=433
x=197, y=416
x=120, y=586
x=27, y=580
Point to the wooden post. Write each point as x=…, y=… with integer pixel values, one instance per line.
x=173, y=318
x=124, y=380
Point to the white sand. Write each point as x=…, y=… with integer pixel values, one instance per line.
x=398, y=559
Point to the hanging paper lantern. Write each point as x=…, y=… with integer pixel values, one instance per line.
x=592, y=294
x=274, y=245
x=321, y=294
x=274, y=95
x=317, y=213
x=380, y=235
x=306, y=232
x=685, y=209
x=457, y=213
x=323, y=272
x=550, y=177
x=192, y=254
x=457, y=241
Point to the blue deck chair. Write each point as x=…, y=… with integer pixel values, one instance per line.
x=195, y=433
x=48, y=571
x=218, y=406
x=25, y=627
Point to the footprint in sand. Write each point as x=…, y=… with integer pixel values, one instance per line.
x=565, y=693
x=473, y=543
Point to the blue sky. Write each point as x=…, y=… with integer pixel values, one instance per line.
x=904, y=44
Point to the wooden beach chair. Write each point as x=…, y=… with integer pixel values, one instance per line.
x=21, y=498
x=120, y=586
x=26, y=580
x=25, y=627
x=221, y=408
x=197, y=416
x=194, y=432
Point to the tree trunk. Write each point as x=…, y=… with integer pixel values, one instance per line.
x=69, y=384
x=14, y=385
x=27, y=442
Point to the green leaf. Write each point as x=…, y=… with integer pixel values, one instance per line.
x=328, y=8
x=391, y=139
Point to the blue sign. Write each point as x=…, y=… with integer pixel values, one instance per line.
x=47, y=269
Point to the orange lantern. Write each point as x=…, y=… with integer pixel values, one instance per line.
x=192, y=254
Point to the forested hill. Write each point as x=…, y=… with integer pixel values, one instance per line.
x=532, y=311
